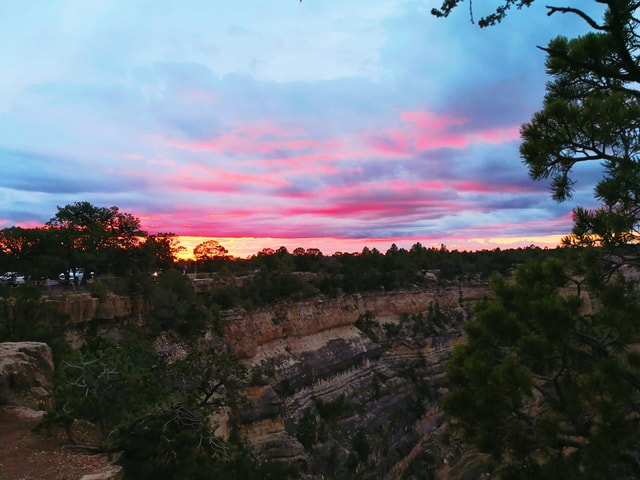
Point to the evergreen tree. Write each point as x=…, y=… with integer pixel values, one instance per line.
x=546, y=386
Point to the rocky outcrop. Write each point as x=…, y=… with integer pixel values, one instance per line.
x=82, y=307
x=26, y=371
x=114, y=473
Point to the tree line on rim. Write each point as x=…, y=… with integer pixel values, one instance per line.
x=107, y=240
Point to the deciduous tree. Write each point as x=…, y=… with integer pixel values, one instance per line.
x=94, y=228
x=209, y=250
x=94, y=236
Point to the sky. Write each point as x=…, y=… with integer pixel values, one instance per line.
x=329, y=124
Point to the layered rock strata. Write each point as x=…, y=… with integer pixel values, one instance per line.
x=349, y=386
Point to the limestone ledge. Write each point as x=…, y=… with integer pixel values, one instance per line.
x=83, y=308
x=251, y=332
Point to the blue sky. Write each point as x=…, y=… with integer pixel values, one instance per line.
x=324, y=124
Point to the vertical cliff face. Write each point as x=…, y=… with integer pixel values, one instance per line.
x=82, y=307
x=349, y=386
x=249, y=332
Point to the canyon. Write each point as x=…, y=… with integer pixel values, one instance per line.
x=338, y=387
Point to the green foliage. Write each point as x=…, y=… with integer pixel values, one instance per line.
x=332, y=410
x=564, y=134
x=367, y=324
x=361, y=444
x=176, y=443
x=391, y=330
x=306, y=430
x=108, y=384
x=171, y=442
x=175, y=305
x=209, y=378
x=100, y=239
x=590, y=114
x=24, y=316
x=32, y=251
x=209, y=255
x=545, y=387
x=99, y=290
x=157, y=413
x=157, y=253
x=436, y=316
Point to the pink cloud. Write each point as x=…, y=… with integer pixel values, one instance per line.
x=383, y=188
x=196, y=177
x=263, y=137
x=338, y=210
x=391, y=199
x=392, y=143
x=500, y=135
x=301, y=164
x=430, y=131
x=488, y=187
x=438, y=139
x=431, y=120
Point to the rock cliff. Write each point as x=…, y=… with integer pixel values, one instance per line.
x=258, y=330
x=349, y=386
x=83, y=308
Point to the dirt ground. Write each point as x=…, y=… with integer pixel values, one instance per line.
x=25, y=455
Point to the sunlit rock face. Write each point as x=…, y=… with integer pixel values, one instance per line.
x=349, y=386
x=249, y=332
x=26, y=371
x=82, y=307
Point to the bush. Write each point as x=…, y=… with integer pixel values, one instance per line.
x=98, y=290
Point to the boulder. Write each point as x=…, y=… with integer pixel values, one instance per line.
x=115, y=473
x=26, y=371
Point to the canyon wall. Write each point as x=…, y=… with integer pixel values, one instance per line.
x=338, y=387
x=349, y=386
x=248, y=332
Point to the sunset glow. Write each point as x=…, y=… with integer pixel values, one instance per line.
x=246, y=247
x=332, y=125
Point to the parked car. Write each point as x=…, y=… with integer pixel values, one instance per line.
x=74, y=275
x=12, y=278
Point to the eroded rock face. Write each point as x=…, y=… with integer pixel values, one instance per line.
x=26, y=371
x=350, y=385
x=247, y=332
x=83, y=308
